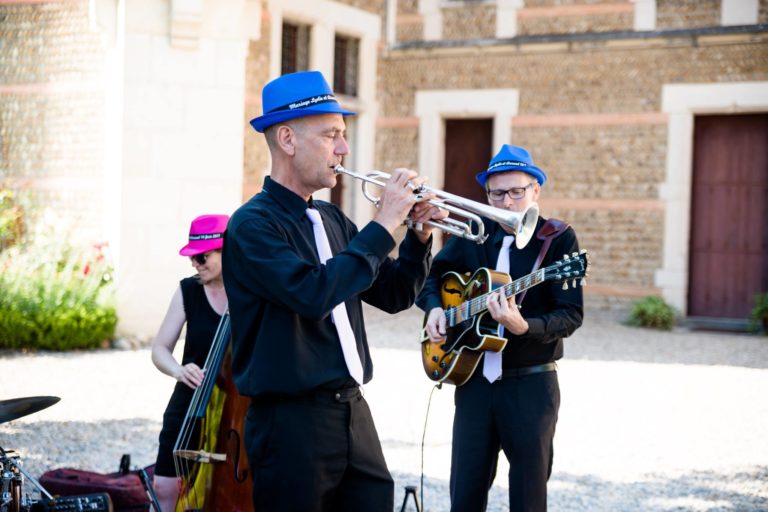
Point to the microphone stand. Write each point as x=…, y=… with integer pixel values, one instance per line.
x=149, y=489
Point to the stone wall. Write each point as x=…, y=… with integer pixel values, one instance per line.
x=255, y=151
x=409, y=25
x=687, y=13
x=469, y=21
x=590, y=112
x=52, y=110
x=374, y=6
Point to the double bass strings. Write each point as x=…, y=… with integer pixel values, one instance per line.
x=197, y=407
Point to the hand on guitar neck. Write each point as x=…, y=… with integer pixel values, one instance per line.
x=505, y=311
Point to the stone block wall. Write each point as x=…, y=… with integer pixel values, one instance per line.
x=374, y=6
x=409, y=25
x=687, y=13
x=624, y=161
x=255, y=151
x=469, y=21
x=591, y=114
x=52, y=110
x=571, y=17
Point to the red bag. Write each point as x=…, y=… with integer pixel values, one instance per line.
x=125, y=489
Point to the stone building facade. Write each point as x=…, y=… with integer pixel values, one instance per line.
x=124, y=119
x=132, y=116
x=592, y=83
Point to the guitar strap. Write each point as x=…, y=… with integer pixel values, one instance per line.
x=548, y=232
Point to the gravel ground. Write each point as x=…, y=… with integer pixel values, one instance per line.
x=649, y=421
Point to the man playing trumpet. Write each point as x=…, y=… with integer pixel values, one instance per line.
x=296, y=272
x=512, y=404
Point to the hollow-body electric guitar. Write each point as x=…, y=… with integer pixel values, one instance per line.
x=470, y=331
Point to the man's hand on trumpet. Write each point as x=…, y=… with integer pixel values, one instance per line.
x=399, y=201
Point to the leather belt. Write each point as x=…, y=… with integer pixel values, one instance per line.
x=338, y=395
x=341, y=395
x=529, y=370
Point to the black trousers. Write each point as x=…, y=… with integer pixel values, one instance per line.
x=515, y=414
x=318, y=453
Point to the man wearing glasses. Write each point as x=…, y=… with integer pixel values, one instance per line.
x=512, y=400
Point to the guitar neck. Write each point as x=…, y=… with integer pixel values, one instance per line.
x=479, y=304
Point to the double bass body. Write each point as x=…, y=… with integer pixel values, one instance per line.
x=209, y=454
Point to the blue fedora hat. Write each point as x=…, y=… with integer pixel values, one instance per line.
x=512, y=158
x=300, y=94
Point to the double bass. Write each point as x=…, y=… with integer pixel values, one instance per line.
x=209, y=453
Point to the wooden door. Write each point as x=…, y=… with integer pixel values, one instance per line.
x=729, y=215
x=467, y=151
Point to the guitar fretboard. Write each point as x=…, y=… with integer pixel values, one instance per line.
x=472, y=307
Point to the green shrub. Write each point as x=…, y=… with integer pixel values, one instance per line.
x=54, y=297
x=759, y=316
x=653, y=312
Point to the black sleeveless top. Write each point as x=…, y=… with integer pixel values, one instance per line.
x=202, y=322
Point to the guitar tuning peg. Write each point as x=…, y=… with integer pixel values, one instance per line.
x=565, y=285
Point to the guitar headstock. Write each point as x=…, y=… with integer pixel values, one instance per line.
x=573, y=267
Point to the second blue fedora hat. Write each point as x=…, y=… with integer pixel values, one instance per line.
x=512, y=158
x=300, y=94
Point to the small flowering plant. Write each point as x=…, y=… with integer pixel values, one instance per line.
x=56, y=295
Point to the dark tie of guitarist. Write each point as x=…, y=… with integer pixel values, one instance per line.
x=474, y=313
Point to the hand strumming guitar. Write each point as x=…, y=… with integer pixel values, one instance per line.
x=435, y=325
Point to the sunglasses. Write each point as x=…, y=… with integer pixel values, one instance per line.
x=200, y=258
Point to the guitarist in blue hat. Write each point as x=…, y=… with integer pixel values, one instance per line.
x=510, y=399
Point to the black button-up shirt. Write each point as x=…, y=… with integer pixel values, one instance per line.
x=280, y=295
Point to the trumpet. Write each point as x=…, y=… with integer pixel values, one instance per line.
x=522, y=224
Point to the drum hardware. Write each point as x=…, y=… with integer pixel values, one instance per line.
x=13, y=474
x=13, y=497
x=18, y=407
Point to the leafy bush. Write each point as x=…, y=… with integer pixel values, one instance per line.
x=54, y=297
x=759, y=316
x=653, y=312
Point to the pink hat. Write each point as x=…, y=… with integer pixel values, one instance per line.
x=205, y=234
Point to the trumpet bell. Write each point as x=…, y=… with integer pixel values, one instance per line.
x=526, y=226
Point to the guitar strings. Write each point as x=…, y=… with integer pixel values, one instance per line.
x=477, y=304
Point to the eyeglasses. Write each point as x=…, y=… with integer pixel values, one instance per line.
x=200, y=258
x=513, y=193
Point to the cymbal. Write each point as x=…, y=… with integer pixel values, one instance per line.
x=17, y=407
